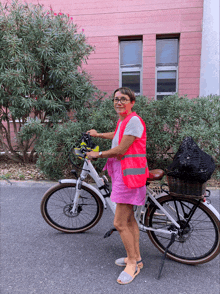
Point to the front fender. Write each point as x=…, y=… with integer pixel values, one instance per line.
x=91, y=187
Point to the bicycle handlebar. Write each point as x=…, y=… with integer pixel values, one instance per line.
x=86, y=145
x=86, y=138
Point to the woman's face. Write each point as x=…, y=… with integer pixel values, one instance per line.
x=124, y=105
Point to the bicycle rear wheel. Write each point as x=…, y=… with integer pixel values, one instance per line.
x=57, y=203
x=199, y=240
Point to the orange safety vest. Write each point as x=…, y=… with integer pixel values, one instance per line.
x=134, y=162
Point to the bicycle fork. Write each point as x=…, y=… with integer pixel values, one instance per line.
x=74, y=209
x=79, y=181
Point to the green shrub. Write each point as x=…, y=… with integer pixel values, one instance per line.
x=54, y=143
x=170, y=120
x=41, y=74
x=167, y=121
x=53, y=148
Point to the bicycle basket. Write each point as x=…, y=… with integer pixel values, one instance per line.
x=191, y=189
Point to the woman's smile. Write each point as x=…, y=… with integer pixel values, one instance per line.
x=119, y=108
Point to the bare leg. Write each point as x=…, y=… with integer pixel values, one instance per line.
x=133, y=226
x=127, y=227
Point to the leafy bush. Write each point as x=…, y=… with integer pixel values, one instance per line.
x=172, y=119
x=168, y=122
x=41, y=76
x=55, y=143
x=53, y=147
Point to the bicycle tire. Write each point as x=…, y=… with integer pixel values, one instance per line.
x=199, y=242
x=58, y=201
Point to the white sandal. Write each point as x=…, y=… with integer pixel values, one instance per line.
x=124, y=278
x=121, y=262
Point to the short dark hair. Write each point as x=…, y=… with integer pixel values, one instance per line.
x=126, y=91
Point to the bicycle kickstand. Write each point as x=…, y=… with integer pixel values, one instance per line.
x=172, y=240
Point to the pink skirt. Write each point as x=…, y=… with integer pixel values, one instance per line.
x=120, y=192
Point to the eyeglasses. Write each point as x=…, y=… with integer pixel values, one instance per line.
x=122, y=100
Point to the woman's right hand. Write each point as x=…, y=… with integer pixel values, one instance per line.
x=93, y=133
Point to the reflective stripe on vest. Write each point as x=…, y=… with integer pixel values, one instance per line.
x=133, y=155
x=134, y=171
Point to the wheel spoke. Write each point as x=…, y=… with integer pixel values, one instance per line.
x=200, y=236
x=57, y=205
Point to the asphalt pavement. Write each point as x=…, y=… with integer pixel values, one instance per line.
x=36, y=258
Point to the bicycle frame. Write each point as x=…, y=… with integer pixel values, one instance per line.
x=104, y=194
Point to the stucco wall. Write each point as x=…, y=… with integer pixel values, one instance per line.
x=104, y=22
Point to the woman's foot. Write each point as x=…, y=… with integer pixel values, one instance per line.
x=128, y=275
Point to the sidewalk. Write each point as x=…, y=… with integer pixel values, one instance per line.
x=28, y=183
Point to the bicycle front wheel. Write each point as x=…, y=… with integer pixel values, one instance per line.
x=58, y=201
x=197, y=242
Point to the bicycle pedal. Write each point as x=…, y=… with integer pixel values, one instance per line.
x=108, y=234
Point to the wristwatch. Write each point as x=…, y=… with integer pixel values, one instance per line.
x=100, y=154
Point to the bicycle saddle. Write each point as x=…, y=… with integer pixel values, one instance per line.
x=155, y=175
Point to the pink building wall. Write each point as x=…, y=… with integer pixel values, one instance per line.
x=104, y=22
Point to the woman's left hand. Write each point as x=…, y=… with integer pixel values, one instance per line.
x=92, y=154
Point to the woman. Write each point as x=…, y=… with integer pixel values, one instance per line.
x=127, y=166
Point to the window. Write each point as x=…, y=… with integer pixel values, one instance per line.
x=131, y=65
x=167, y=51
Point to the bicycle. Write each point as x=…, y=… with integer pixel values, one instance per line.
x=184, y=229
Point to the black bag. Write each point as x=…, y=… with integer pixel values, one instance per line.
x=190, y=163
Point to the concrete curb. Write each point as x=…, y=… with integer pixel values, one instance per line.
x=27, y=183
x=45, y=182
